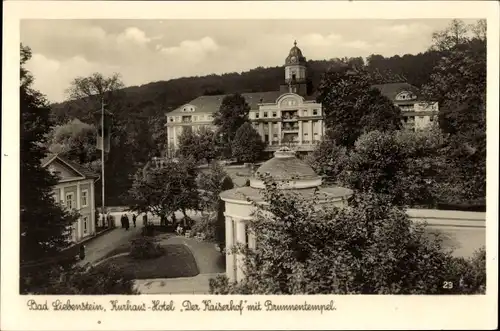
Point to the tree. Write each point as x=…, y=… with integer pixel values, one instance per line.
x=233, y=113
x=210, y=184
x=352, y=106
x=76, y=140
x=404, y=166
x=163, y=191
x=200, y=145
x=45, y=227
x=328, y=159
x=247, y=145
x=455, y=34
x=458, y=83
x=369, y=247
x=92, y=90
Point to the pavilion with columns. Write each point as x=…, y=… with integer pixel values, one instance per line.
x=289, y=173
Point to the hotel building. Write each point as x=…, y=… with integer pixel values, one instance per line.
x=290, y=115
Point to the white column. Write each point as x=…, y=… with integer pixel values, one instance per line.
x=92, y=207
x=320, y=123
x=261, y=130
x=240, y=239
x=279, y=133
x=251, y=239
x=174, y=134
x=300, y=132
x=311, y=133
x=270, y=129
x=230, y=265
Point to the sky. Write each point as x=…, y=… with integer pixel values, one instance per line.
x=144, y=51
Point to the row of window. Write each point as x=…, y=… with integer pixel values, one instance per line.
x=266, y=136
x=190, y=118
x=275, y=114
x=71, y=204
x=412, y=118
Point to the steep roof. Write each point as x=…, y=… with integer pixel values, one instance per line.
x=211, y=103
x=83, y=171
x=391, y=90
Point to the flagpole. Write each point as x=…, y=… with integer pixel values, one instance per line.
x=102, y=160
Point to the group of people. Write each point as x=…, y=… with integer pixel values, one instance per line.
x=126, y=223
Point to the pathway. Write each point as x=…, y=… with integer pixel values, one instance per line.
x=104, y=244
x=210, y=263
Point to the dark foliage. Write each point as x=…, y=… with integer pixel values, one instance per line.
x=369, y=247
x=145, y=247
x=44, y=225
x=88, y=281
x=352, y=106
x=247, y=145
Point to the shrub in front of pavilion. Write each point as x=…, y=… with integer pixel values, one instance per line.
x=368, y=247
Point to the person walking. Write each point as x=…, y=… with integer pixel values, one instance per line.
x=134, y=219
x=145, y=219
x=122, y=221
x=126, y=221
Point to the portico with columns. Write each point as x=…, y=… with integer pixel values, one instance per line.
x=290, y=173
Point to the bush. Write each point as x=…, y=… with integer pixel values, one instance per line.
x=368, y=247
x=94, y=280
x=206, y=224
x=145, y=248
x=468, y=276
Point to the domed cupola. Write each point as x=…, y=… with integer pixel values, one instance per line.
x=295, y=56
x=288, y=171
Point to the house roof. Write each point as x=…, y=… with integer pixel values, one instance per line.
x=246, y=193
x=391, y=90
x=286, y=166
x=81, y=170
x=211, y=103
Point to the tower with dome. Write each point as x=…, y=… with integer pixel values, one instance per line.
x=287, y=116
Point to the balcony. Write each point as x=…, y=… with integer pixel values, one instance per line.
x=289, y=116
x=294, y=128
x=407, y=108
x=187, y=119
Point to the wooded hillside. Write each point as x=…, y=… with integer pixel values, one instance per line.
x=157, y=98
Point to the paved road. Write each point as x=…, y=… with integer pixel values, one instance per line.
x=102, y=245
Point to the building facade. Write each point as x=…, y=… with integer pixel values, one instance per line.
x=75, y=190
x=290, y=115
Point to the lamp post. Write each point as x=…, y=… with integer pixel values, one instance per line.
x=104, y=119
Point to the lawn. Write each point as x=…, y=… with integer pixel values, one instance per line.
x=178, y=261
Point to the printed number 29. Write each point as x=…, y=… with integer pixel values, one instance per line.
x=448, y=285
